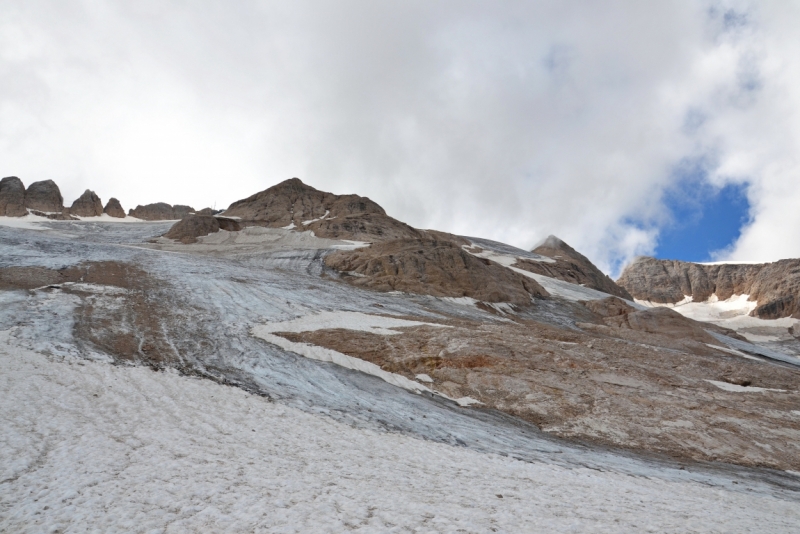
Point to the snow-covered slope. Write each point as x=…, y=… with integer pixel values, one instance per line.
x=87, y=445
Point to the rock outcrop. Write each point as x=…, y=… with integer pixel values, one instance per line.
x=114, y=209
x=774, y=286
x=188, y=229
x=433, y=267
x=571, y=266
x=12, y=197
x=293, y=204
x=45, y=197
x=87, y=205
x=161, y=211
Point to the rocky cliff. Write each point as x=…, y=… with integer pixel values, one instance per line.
x=114, y=209
x=774, y=286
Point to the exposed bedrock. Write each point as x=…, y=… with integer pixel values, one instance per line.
x=774, y=286
x=160, y=211
x=87, y=205
x=571, y=266
x=433, y=267
x=114, y=209
x=294, y=204
x=188, y=229
x=44, y=196
x=12, y=197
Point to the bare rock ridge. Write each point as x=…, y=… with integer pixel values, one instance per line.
x=114, y=209
x=774, y=286
x=571, y=266
x=433, y=267
x=87, y=205
x=294, y=204
x=160, y=211
x=12, y=197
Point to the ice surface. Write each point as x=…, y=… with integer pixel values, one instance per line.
x=89, y=446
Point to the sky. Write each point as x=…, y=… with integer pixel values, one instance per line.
x=624, y=127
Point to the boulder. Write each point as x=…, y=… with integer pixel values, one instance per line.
x=160, y=211
x=45, y=197
x=12, y=197
x=114, y=209
x=188, y=229
x=87, y=205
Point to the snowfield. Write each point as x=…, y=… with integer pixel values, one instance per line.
x=89, y=446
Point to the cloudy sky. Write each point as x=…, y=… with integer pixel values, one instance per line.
x=624, y=127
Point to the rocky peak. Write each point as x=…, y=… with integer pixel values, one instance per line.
x=296, y=205
x=44, y=196
x=87, y=205
x=571, y=266
x=114, y=209
x=12, y=197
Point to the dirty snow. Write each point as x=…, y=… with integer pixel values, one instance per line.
x=97, y=447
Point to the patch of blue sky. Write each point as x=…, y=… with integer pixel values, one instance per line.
x=704, y=219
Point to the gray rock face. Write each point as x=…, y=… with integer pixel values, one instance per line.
x=571, y=266
x=12, y=197
x=333, y=216
x=44, y=196
x=160, y=211
x=775, y=286
x=87, y=205
x=114, y=209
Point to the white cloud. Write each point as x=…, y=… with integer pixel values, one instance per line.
x=509, y=121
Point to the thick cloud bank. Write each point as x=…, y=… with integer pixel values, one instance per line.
x=509, y=121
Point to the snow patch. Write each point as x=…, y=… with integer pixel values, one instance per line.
x=422, y=377
x=741, y=389
x=306, y=223
x=346, y=320
x=290, y=227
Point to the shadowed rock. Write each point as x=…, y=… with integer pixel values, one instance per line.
x=433, y=267
x=160, y=211
x=571, y=266
x=87, y=205
x=12, y=197
x=114, y=209
x=775, y=286
x=44, y=196
x=294, y=204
